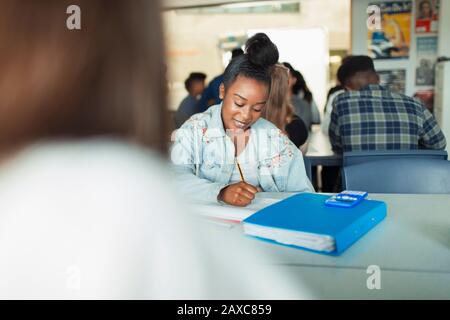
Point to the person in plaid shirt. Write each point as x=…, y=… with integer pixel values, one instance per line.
x=369, y=117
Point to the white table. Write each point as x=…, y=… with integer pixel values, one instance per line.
x=411, y=247
x=319, y=149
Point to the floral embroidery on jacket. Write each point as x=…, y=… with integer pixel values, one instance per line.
x=204, y=157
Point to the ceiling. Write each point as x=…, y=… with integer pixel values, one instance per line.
x=176, y=4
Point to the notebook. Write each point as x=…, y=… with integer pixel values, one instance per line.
x=231, y=213
x=304, y=221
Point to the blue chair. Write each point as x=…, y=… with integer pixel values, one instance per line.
x=355, y=157
x=401, y=175
x=308, y=167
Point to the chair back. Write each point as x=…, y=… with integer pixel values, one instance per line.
x=401, y=175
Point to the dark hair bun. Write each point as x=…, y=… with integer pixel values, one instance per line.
x=261, y=51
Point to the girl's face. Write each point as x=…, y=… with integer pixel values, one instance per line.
x=243, y=103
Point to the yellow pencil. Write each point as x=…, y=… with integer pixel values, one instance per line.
x=240, y=171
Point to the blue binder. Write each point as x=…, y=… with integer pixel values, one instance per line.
x=306, y=212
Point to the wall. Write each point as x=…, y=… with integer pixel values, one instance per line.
x=192, y=40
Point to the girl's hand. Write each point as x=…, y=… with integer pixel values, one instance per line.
x=238, y=194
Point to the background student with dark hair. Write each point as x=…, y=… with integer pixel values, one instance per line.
x=194, y=84
x=370, y=117
x=301, y=98
x=87, y=209
x=229, y=152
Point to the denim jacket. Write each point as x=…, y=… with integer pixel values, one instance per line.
x=203, y=157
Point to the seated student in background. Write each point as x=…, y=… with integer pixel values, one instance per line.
x=194, y=84
x=86, y=210
x=332, y=93
x=279, y=111
x=212, y=149
x=370, y=117
x=330, y=175
x=301, y=98
x=210, y=95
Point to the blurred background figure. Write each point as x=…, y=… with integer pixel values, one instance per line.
x=301, y=90
x=425, y=72
x=86, y=209
x=210, y=95
x=301, y=98
x=332, y=93
x=330, y=175
x=279, y=110
x=194, y=84
x=371, y=106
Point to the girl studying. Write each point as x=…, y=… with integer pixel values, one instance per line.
x=229, y=152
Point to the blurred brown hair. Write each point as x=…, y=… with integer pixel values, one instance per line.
x=278, y=108
x=106, y=79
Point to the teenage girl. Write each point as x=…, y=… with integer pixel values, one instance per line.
x=229, y=152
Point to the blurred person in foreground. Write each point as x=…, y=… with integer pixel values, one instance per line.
x=280, y=112
x=331, y=95
x=86, y=211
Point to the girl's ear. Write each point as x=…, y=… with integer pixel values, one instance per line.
x=221, y=91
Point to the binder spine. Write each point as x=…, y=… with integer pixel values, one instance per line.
x=360, y=227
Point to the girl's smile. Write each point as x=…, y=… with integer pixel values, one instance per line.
x=243, y=103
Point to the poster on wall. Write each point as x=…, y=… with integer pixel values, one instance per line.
x=426, y=60
x=393, y=36
x=393, y=80
x=427, y=16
